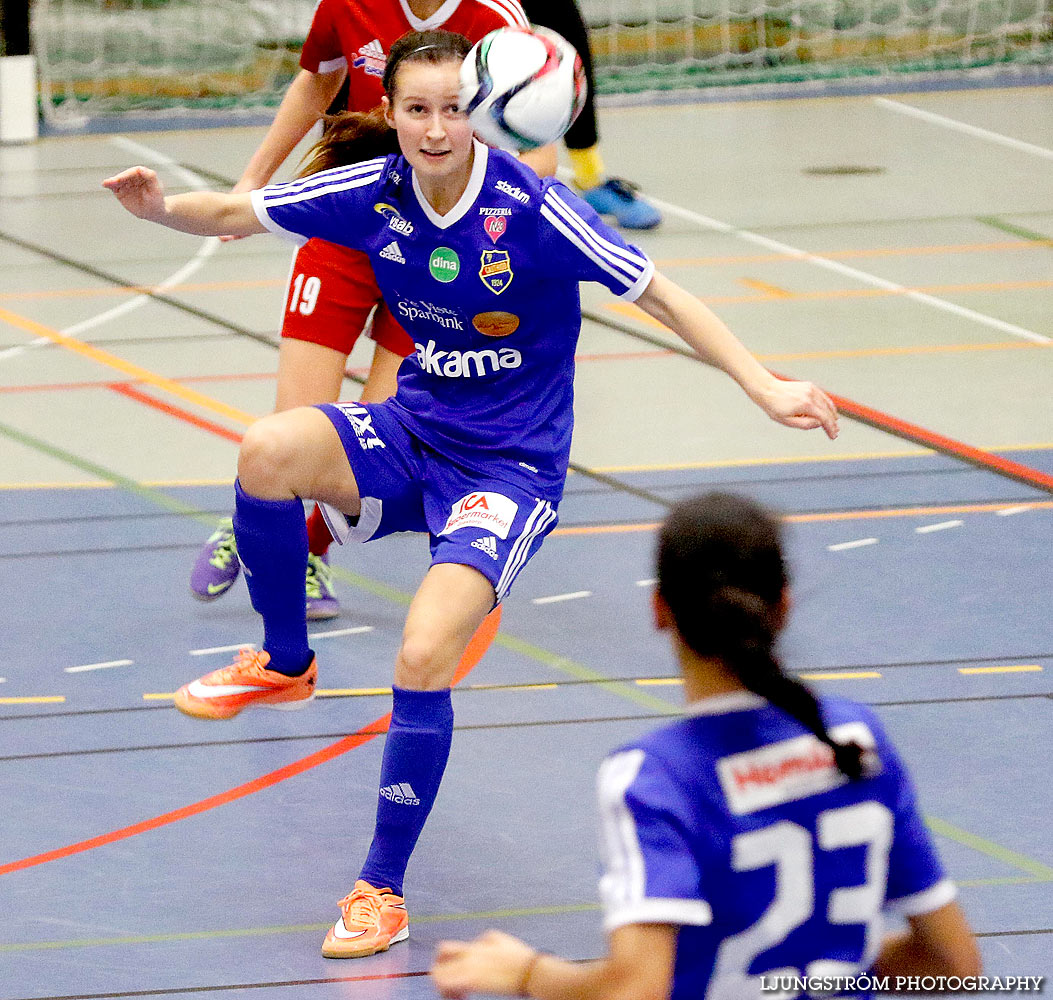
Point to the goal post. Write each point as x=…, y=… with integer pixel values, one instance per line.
x=116, y=60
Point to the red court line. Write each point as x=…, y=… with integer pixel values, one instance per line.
x=939, y=442
x=478, y=646
x=174, y=411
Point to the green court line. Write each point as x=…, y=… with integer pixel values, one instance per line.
x=1012, y=229
x=245, y=932
x=1041, y=872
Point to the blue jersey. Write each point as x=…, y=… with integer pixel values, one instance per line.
x=488, y=292
x=735, y=825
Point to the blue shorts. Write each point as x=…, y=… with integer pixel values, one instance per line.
x=482, y=519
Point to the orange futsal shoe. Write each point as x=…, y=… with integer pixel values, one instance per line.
x=246, y=682
x=371, y=920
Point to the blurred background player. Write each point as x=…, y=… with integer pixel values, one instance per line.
x=474, y=447
x=331, y=289
x=608, y=195
x=765, y=834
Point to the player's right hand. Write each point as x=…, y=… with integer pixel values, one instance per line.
x=139, y=190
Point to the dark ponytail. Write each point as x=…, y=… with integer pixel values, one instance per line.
x=721, y=572
x=355, y=136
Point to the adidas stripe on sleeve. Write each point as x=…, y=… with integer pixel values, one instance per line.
x=330, y=205
x=577, y=241
x=650, y=872
x=508, y=10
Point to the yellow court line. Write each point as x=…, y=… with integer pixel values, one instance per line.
x=40, y=700
x=125, y=367
x=658, y=681
x=1021, y=668
x=351, y=692
x=833, y=676
x=765, y=288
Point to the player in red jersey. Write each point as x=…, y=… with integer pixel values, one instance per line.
x=331, y=289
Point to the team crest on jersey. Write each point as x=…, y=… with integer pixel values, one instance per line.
x=371, y=58
x=495, y=268
x=493, y=511
x=395, y=221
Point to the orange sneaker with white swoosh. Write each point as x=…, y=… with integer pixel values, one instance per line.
x=246, y=682
x=371, y=920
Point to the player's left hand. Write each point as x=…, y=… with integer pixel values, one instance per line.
x=800, y=404
x=492, y=963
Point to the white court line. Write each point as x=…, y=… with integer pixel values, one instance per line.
x=1010, y=511
x=851, y=272
x=858, y=543
x=340, y=631
x=941, y=526
x=562, y=597
x=646, y=583
x=358, y=630
x=957, y=126
x=206, y=250
x=98, y=666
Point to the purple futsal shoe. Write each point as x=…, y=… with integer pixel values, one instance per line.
x=217, y=565
x=321, y=598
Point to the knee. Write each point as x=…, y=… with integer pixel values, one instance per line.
x=421, y=665
x=267, y=457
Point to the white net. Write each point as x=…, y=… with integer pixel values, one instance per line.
x=674, y=44
x=100, y=58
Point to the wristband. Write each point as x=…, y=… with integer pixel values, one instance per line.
x=524, y=982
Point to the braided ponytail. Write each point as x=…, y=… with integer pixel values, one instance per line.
x=721, y=572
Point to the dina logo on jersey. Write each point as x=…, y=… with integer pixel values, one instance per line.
x=444, y=264
x=371, y=58
x=495, y=268
x=395, y=221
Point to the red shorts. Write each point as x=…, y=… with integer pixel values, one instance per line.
x=331, y=291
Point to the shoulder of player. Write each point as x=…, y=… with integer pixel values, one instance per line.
x=365, y=175
x=494, y=14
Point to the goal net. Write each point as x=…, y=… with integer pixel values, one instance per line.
x=101, y=58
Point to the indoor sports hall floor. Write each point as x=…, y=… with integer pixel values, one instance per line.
x=898, y=250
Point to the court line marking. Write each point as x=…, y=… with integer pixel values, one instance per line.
x=206, y=250
x=924, y=529
x=98, y=666
x=856, y=544
x=957, y=126
x=477, y=647
x=1019, y=668
x=555, y=598
x=845, y=270
x=34, y=700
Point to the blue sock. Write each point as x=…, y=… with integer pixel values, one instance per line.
x=415, y=755
x=272, y=547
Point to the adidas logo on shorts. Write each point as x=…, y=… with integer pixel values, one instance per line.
x=487, y=544
x=392, y=252
x=401, y=793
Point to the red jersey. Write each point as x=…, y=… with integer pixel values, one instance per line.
x=359, y=35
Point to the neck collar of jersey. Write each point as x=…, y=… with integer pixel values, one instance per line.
x=437, y=20
x=465, y=202
x=719, y=704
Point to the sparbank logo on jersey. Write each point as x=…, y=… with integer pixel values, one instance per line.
x=493, y=511
x=513, y=192
x=785, y=771
x=413, y=309
x=371, y=58
x=465, y=364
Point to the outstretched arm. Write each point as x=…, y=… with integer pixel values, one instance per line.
x=796, y=404
x=938, y=943
x=639, y=967
x=203, y=213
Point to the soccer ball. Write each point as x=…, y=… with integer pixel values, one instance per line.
x=522, y=88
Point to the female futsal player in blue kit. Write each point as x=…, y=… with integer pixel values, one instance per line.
x=756, y=843
x=472, y=449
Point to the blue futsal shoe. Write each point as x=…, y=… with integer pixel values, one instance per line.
x=621, y=199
